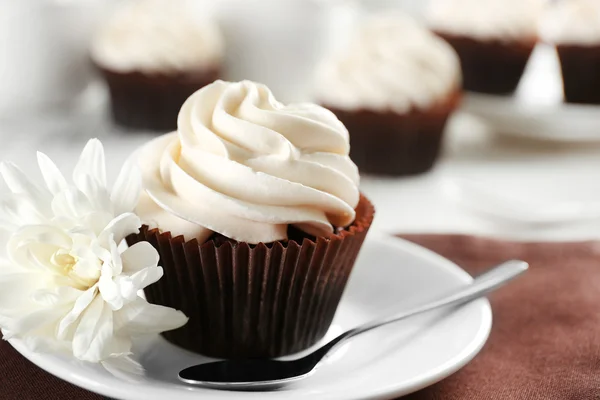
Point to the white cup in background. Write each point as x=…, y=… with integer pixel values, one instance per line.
x=280, y=42
x=44, y=61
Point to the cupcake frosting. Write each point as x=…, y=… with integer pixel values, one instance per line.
x=246, y=166
x=158, y=36
x=489, y=19
x=572, y=22
x=392, y=63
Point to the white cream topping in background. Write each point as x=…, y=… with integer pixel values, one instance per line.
x=246, y=166
x=158, y=36
x=393, y=63
x=487, y=19
x=572, y=22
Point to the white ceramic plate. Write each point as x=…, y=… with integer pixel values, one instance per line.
x=537, y=110
x=391, y=274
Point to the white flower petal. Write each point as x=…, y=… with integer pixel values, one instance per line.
x=13, y=287
x=109, y=289
x=91, y=163
x=95, y=330
x=26, y=260
x=32, y=247
x=97, y=194
x=5, y=323
x=9, y=214
x=96, y=221
x=126, y=191
x=124, y=368
x=140, y=256
x=43, y=234
x=140, y=317
x=79, y=307
x=121, y=227
x=46, y=344
x=17, y=210
x=71, y=203
x=19, y=183
x=129, y=290
x=39, y=261
x=16, y=289
x=116, y=256
x=101, y=252
x=55, y=181
x=36, y=320
x=87, y=269
x=147, y=277
x=58, y=296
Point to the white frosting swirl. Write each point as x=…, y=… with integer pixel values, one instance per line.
x=246, y=166
x=393, y=63
x=572, y=22
x=157, y=36
x=487, y=19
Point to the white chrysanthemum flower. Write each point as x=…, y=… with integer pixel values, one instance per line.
x=70, y=283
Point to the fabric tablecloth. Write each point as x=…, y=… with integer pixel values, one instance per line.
x=544, y=344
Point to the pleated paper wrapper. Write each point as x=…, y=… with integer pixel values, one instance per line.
x=254, y=301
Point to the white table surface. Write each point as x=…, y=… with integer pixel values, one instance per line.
x=525, y=170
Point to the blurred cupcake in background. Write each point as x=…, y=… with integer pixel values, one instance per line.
x=394, y=87
x=574, y=26
x=493, y=38
x=154, y=54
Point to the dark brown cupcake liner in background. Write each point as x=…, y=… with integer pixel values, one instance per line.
x=581, y=73
x=490, y=66
x=152, y=102
x=254, y=301
x=389, y=143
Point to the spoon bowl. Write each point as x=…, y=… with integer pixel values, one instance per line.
x=248, y=375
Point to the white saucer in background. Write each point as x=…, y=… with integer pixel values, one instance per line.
x=537, y=110
x=391, y=274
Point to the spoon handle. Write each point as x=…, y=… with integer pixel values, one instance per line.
x=481, y=285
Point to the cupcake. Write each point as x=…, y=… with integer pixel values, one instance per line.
x=574, y=27
x=394, y=88
x=255, y=210
x=154, y=54
x=494, y=39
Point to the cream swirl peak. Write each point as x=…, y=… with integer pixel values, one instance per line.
x=393, y=63
x=489, y=19
x=246, y=166
x=572, y=22
x=158, y=36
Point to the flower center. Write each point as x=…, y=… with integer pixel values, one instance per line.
x=64, y=264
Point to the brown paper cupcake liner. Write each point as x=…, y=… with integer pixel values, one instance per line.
x=490, y=66
x=152, y=102
x=388, y=143
x=254, y=301
x=581, y=73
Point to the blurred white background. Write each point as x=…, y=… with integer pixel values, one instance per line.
x=46, y=104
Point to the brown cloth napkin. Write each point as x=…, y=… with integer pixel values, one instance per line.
x=545, y=340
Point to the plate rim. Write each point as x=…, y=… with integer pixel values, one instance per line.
x=551, y=122
x=443, y=371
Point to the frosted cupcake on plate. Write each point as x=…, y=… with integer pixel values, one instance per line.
x=255, y=210
x=494, y=39
x=394, y=87
x=154, y=54
x=574, y=27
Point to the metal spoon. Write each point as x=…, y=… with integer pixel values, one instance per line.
x=267, y=374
